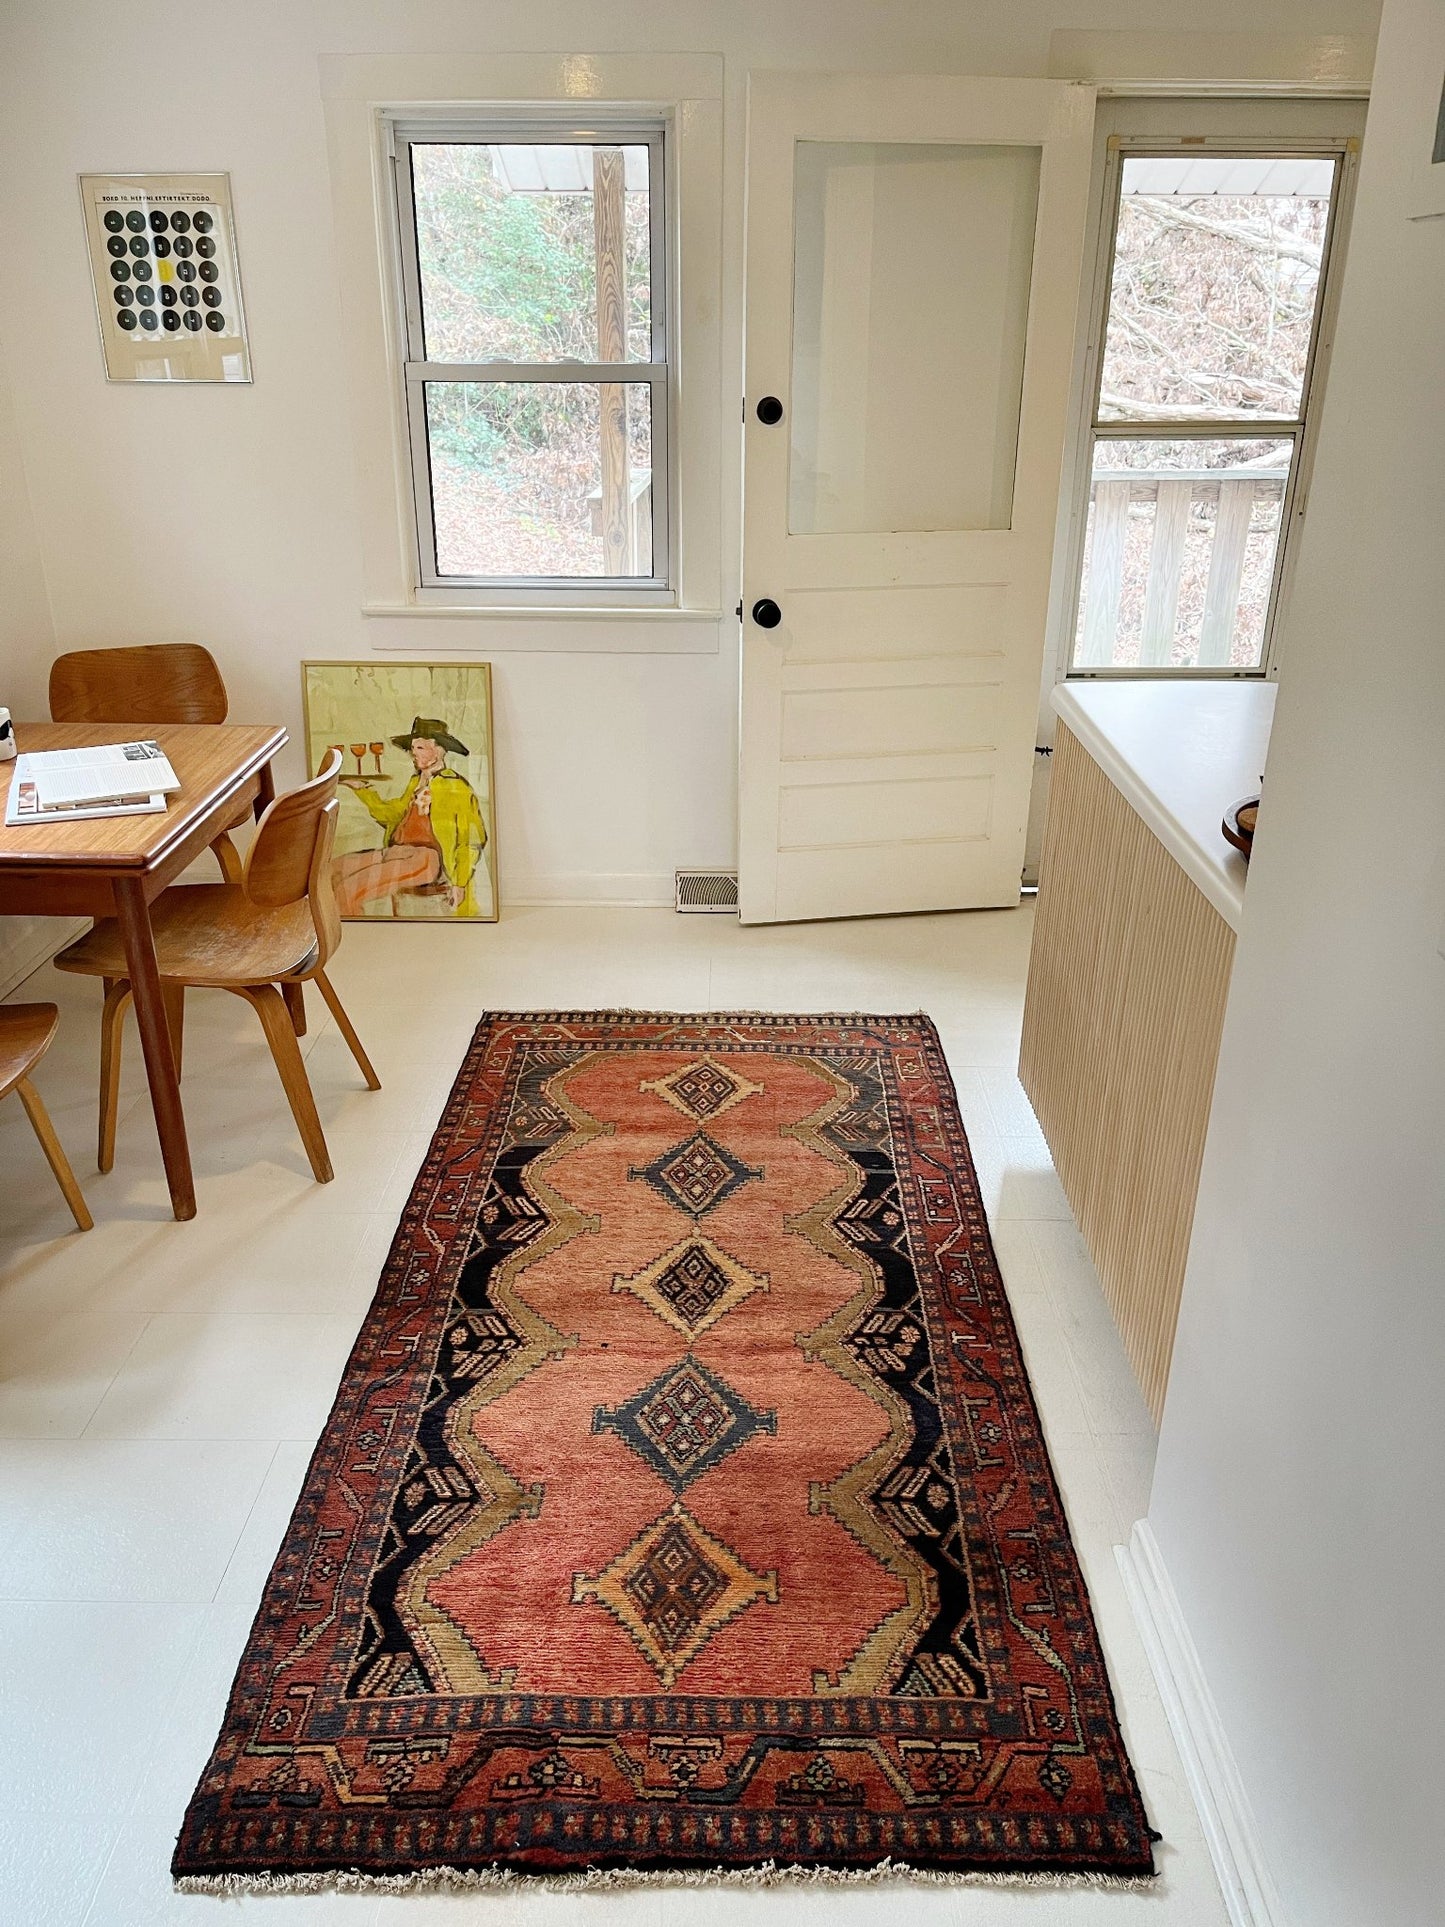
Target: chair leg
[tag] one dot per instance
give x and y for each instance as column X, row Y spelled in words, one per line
column 173, row 996
column 267, row 1003
column 112, row 1033
column 296, row 1004
column 229, row 858
column 343, row 1024
column 55, row 1152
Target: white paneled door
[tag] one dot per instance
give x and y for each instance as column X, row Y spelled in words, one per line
column 912, row 278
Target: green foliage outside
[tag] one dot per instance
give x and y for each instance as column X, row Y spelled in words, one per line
column 511, row 277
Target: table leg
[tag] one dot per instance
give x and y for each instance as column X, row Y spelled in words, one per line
column 265, row 790
column 133, row 915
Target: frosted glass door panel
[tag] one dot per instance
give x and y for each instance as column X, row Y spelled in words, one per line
column 910, row 299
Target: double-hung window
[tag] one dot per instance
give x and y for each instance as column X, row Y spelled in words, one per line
column 1203, row 385
column 534, row 281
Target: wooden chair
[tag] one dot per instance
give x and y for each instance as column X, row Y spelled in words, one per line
column 274, row 929
column 26, row 1031
column 154, row 682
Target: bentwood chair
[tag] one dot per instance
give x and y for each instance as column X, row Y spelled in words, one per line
column 26, row 1031
column 274, row 929
column 154, row 682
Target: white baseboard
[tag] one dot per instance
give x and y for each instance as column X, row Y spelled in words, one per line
column 1229, row 1825
column 28, row 942
column 650, row 889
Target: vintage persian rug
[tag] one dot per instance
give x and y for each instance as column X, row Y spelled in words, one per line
column 684, row 1506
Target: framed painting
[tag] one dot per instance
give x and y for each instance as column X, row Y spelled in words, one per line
column 416, row 839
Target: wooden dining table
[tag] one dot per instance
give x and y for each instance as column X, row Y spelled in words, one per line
column 117, row 866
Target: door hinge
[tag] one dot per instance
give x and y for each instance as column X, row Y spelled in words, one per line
column 739, row 610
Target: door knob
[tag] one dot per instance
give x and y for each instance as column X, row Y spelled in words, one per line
column 766, row 613
column 770, row 411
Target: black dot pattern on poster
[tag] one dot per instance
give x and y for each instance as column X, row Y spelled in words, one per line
column 165, row 270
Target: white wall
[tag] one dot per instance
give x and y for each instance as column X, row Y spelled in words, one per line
column 1300, row 1496
column 26, row 646
column 229, row 515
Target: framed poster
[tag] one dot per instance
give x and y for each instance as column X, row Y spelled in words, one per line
column 416, row 840
column 167, row 282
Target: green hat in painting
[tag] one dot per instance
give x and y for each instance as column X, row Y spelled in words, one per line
column 435, row 730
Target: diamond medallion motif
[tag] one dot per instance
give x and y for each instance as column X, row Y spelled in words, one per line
column 673, row 1588
column 696, row 1176
column 691, row 1286
column 684, row 1422
column 703, row 1090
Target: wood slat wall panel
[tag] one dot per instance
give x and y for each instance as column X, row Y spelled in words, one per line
column 1125, row 1004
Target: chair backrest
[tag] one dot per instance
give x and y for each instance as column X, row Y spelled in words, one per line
column 290, row 856
column 155, row 682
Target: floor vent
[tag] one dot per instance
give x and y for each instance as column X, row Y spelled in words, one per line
column 704, row 890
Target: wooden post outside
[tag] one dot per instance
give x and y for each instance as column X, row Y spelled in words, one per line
column 1106, row 571
column 1226, row 570
column 608, row 220
column 1166, row 566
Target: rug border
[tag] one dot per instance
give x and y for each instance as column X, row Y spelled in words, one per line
column 622, row 1873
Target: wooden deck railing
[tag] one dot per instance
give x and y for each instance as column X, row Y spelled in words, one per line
column 1174, row 494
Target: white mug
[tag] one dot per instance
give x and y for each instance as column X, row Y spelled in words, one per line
column 7, row 736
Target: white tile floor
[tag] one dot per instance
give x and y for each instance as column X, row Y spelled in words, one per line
column 161, row 1384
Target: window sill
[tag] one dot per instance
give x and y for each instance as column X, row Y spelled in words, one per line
column 575, row 629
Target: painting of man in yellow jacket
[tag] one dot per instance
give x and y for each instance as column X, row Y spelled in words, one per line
column 433, row 836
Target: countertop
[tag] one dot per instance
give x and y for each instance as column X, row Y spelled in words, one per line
column 1180, row 754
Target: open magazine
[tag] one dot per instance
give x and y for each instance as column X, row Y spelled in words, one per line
column 107, row 779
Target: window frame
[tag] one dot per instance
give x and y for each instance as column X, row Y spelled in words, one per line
column 1302, row 431
column 659, row 589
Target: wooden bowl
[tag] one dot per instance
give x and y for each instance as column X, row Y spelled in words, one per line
column 1238, row 824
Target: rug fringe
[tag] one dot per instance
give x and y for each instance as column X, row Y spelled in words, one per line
column 710, row 1016
column 769, row 1874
